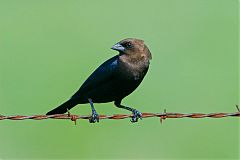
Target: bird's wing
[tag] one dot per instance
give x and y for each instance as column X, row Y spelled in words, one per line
column 101, row 75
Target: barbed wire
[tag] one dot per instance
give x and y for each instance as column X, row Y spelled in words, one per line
column 162, row 116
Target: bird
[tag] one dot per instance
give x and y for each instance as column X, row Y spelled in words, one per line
column 113, row 80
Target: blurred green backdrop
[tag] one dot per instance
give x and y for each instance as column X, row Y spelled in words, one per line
column 49, row 47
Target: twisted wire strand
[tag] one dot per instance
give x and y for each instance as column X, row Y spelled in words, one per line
column 162, row 116
column 122, row 116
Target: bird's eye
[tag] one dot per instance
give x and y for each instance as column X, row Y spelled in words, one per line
column 128, row 45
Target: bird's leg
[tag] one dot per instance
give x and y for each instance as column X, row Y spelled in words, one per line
column 136, row 114
column 94, row 118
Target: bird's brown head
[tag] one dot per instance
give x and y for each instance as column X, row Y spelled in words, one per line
column 132, row 47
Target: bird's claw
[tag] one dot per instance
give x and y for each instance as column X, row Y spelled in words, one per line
column 136, row 115
column 94, row 118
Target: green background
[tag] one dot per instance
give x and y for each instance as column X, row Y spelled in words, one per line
column 49, row 47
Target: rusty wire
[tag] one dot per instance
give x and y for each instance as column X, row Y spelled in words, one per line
column 162, row 116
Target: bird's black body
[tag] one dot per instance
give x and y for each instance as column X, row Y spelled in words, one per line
column 108, row 83
column 111, row 81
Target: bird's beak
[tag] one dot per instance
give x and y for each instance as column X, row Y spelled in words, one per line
column 118, row 47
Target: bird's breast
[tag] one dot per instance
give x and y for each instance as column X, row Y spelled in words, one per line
column 132, row 72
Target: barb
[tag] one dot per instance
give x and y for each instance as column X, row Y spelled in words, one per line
column 162, row 116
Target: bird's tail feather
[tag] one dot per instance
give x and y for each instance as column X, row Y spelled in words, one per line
column 63, row 108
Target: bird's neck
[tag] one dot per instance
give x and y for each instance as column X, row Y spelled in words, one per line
column 135, row 62
column 136, row 59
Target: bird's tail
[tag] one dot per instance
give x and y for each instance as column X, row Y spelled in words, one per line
column 63, row 108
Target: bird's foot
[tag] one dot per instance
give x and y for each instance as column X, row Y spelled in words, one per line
column 94, row 117
column 136, row 115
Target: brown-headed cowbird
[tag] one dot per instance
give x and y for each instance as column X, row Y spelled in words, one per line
column 113, row 80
